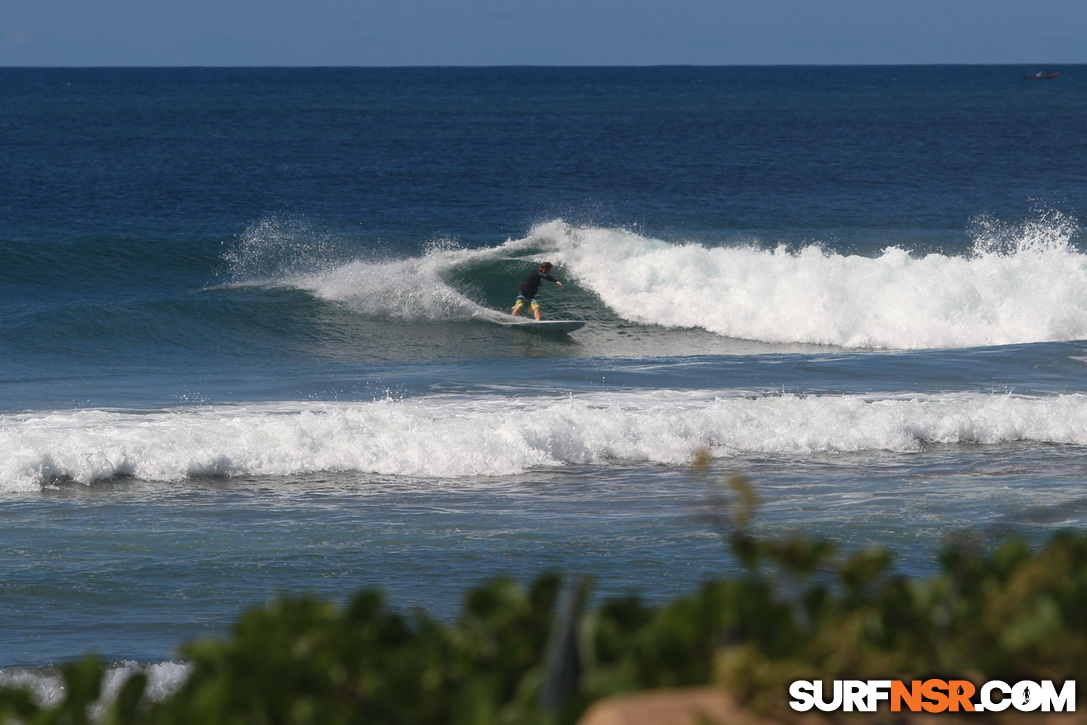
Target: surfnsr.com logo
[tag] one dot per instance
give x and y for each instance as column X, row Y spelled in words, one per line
column 933, row 696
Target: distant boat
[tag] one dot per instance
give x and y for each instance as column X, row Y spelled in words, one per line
column 1041, row 76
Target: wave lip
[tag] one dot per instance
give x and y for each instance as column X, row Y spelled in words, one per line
column 450, row 437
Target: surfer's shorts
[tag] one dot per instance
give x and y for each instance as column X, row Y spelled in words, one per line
column 532, row 304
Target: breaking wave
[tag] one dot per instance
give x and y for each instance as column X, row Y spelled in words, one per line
column 1019, row 283
column 451, row 437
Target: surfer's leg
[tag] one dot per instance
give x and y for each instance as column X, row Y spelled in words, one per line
column 536, row 310
column 517, row 308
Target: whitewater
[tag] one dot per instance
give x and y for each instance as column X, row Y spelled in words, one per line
column 1033, row 289
column 457, row 437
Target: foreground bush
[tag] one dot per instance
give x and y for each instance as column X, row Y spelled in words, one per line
column 533, row 655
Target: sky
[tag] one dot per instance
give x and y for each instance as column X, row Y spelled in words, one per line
column 539, row 32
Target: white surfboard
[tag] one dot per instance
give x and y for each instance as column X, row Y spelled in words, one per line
column 546, row 325
column 527, row 323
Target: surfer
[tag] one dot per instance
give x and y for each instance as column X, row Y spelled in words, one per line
column 530, row 285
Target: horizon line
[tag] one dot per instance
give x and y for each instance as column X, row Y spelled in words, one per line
column 435, row 66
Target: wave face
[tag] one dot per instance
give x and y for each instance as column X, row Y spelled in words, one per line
column 1019, row 283
column 455, row 437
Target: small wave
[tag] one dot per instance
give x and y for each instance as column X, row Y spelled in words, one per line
column 454, row 437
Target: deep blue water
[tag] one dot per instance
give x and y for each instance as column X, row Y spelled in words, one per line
column 247, row 342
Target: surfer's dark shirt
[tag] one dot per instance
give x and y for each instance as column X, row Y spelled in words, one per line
column 531, row 284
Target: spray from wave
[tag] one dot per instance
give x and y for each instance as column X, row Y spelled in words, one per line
column 289, row 253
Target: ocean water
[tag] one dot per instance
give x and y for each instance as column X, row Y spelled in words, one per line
column 247, row 339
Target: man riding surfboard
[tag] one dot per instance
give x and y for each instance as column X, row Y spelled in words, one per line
column 530, row 285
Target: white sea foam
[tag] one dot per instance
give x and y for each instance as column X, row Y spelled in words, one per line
column 163, row 680
column 1020, row 283
column 451, row 437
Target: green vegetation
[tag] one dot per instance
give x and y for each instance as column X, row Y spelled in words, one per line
column 532, row 655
